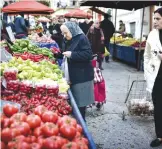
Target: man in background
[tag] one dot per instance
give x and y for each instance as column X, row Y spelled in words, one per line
column 20, row 27
column 108, row 30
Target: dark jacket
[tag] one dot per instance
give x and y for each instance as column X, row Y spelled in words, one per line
column 108, row 29
column 80, row 66
column 94, row 35
column 20, row 26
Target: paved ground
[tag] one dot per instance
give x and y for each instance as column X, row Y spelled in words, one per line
column 107, row 127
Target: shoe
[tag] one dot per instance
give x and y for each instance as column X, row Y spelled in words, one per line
column 101, row 68
column 99, row 106
column 156, row 142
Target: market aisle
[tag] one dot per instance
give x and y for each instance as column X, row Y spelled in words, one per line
column 107, row 127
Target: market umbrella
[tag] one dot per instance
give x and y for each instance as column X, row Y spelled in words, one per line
column 27, row 7
column 44, row 19
column 78, row 13
column 127, row 5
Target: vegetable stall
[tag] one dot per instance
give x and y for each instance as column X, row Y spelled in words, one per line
column 127, row 50
column 48, row 117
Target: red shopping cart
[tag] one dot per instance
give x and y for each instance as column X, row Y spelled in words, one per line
column 99, row 85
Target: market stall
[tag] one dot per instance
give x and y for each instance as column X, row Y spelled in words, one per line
column 127, row 50
column 33, row 80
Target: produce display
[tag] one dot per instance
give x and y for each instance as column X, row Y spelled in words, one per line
column 44, row 39
column 23, row 45
column 127, row 41
column 140, row 107
column 42, row 129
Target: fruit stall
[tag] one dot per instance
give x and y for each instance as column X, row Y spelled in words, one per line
column 127, row 50
column 47, row 116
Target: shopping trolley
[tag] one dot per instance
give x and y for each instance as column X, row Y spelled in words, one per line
column 138, row 100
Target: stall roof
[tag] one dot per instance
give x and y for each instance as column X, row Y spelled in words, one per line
column 27, row 7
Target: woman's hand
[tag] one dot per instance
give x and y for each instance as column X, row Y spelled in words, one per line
column 67, row 54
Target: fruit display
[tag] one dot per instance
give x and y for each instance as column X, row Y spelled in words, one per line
column 42, row 129
column 33, row 57
column 127, row 41
column 24, row 45
column 36, row 72
column 44, row 39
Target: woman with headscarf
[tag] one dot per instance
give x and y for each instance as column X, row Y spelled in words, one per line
column 81, row 74
column 153, row 73
column 96, row 38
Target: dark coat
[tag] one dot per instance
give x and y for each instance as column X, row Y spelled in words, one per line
column 80, row 66
column 108, row 29
column 94, row 35
column 20, row 26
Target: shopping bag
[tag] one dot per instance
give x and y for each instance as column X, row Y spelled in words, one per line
column 65, row 69
column 106, row 52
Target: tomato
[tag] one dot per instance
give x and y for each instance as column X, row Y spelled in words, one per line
column 23, row 145
column 31, row 139
column 49, row 116
column 8, row 134
column 36, row 146
column 37, row 131
column 81, row 139
column 5, row 123
column 19, row 117
column 40, row 110
column 53, row 142
column 19, row 138
column 78, row 134
column 82, row 145
column 68, row 131
column 50, row 129
column 10, row 110
column 33, row 121
column 67, row 120
column 23, row 127
column 70, row 145
column 79, row 128
column 2, row 145
column 40, row 140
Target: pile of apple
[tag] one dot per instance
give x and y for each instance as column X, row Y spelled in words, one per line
column 43, row 129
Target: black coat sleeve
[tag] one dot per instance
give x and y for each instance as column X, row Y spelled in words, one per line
column 83, row 52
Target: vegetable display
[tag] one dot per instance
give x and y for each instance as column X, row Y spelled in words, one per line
column 37, row 131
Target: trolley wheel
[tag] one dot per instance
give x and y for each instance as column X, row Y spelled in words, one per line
column 123, row 116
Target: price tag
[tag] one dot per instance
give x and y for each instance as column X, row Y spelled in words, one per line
column 10, row 33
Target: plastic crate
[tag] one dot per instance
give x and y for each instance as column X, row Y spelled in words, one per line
column 80, row 120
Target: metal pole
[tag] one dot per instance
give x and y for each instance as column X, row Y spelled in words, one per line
column 139, row 53
column 114, row 46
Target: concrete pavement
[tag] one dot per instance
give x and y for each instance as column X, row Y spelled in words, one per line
column 107, row 127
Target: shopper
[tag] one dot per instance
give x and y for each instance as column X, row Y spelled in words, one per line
column 121, row 27
column 96, row 38
column 153, row 72
column 108, row 30
column 20, row 27
column 79, row 54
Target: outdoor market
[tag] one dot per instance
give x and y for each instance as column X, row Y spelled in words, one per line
column 73, row 73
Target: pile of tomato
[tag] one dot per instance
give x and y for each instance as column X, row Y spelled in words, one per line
column 43, row 129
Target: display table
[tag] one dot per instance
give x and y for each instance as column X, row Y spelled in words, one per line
column 127, row 54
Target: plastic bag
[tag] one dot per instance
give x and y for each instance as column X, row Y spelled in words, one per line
column 10, row 74
column 65, row 69
column 5, row 55
column 106, row 52
column 26, row 87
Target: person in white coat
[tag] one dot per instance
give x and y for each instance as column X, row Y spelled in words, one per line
column 153, row 73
